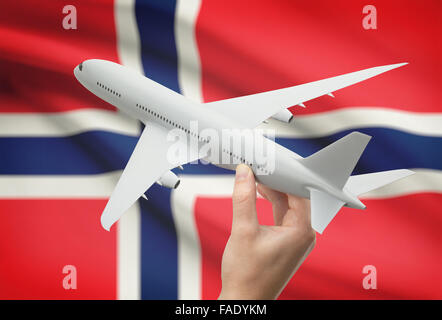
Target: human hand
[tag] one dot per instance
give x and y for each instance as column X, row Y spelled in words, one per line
column 258, row 261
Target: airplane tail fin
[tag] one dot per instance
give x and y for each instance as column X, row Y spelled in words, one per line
column 335, row 162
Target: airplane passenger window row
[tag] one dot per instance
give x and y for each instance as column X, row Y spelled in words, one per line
column 243, row 160
column 172, row 123
column 196, row 135
column 109, row 89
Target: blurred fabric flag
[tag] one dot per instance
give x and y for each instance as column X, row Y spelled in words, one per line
column 62, row 149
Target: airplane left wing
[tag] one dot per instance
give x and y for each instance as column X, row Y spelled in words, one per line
column 256, row 108
column 146, row 165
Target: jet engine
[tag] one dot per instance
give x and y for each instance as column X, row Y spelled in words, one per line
column 169, row 180
column 283, row 115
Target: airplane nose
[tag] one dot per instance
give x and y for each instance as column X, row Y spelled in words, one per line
column 78, row 71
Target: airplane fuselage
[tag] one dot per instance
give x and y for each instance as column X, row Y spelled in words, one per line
column 150, row 102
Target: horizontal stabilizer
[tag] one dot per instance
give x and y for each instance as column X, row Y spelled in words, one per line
column 363, row 183
column 324, row 208
column 336, row 162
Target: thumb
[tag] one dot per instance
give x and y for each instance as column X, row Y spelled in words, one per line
column 244, row 198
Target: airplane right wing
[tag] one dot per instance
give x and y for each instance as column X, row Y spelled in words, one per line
column 148, row 162
column 256, row 108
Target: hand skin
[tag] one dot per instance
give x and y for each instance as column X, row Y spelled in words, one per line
column 258, row 261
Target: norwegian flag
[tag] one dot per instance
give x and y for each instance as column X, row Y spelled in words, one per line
column 62, row 149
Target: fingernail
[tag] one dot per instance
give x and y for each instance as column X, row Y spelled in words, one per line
column 242, row 171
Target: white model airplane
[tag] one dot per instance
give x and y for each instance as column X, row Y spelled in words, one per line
column 324, row 177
